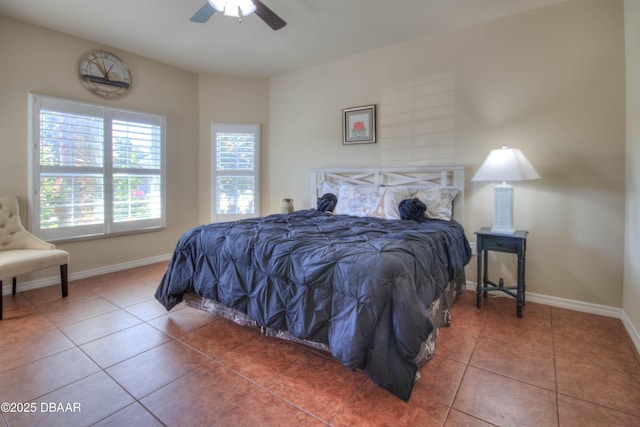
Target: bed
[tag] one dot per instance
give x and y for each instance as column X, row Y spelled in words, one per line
column 356, row 281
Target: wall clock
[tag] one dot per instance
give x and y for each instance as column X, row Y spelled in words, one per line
column 104, row 74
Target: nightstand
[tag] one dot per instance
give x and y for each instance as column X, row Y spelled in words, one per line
column 510, row 243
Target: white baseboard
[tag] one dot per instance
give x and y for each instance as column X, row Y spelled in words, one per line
column 602, row 310
column 631, row 330
column 54, row 280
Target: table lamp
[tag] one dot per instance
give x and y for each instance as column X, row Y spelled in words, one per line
column 504, row 164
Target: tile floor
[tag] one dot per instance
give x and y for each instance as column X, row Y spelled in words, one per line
column 112, row 350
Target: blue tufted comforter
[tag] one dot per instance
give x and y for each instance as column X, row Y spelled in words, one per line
column 360, row 285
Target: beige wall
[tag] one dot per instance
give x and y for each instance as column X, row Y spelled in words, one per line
column 632, row 248
column 549, row 81
column 227, row 99
column 43, row 61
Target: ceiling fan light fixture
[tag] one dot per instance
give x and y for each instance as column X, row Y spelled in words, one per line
column 235, row 8
column 238, row 9
column 218, row 4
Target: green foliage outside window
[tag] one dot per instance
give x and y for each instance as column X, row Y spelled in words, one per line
column 70, row 142
column 236, row 152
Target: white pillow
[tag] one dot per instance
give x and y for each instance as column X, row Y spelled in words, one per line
column 391, row 198
column 382, row 202
column 328, row 187
column 360, row 200
column 439, row 201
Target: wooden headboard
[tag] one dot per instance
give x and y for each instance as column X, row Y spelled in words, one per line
column 444, row 176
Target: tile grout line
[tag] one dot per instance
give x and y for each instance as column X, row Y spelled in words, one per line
column 468, row 364
column 349, row 399
column 555, row 366
column 466, row 369
column 104, row 371
column 224, row 366
column 100, row 368
column 265, row 388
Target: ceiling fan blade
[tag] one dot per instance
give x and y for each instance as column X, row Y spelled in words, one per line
column 203, row 14
column 268, row 16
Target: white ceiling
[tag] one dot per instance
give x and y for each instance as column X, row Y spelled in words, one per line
column 316, row 31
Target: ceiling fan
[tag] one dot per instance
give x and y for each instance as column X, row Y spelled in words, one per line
column 238, row 9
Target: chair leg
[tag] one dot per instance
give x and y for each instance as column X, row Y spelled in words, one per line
column 63, row 284
column 63, row 280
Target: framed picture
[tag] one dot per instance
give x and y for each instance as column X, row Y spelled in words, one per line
column 359, row 125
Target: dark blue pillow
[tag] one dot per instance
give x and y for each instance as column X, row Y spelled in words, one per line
column 327, row 203
column 412, row 209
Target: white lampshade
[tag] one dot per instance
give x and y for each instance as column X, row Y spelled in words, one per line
column 502, row 165
column 505, row 164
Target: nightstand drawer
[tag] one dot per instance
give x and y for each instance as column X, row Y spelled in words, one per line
column 499, row 243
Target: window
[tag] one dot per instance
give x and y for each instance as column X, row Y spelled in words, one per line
column 95, row 170
column 235, row 168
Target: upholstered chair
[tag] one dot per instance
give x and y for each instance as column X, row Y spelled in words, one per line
column 22, row 252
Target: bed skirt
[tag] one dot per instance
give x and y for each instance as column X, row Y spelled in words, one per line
column 439, row 313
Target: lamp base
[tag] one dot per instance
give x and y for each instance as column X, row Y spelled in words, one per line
column 503, row 209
